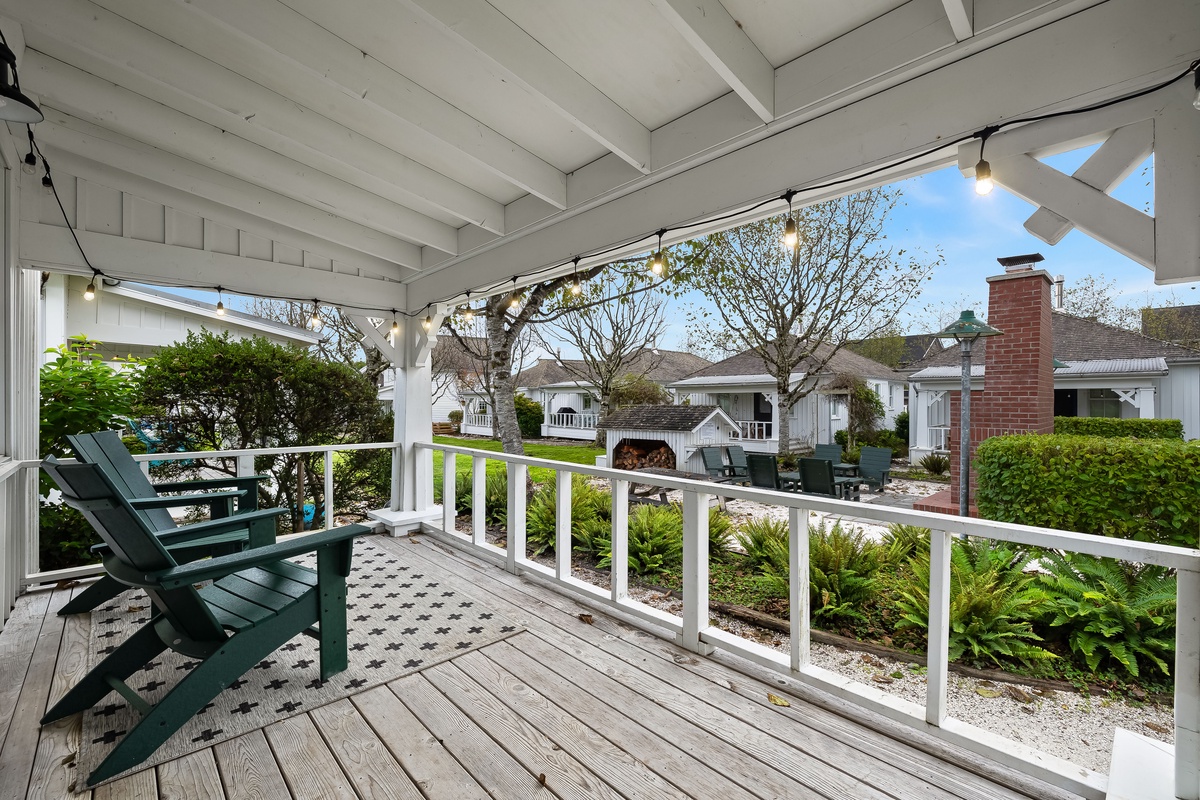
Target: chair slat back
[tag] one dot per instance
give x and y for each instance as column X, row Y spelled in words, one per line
column 829, row 452
column 713, row 464
column 106, row 449
column 737, row 459
column 816, row 476
column 764, row 470
column 874, row 462
column 88, row 489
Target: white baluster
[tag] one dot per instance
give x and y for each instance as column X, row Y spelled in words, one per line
column 449, row 501
column 798, row 586
column 695, row 571
column 516, row 515
column 619, row 570
column 562, row 524
column 1187, row 686
column 478, row 499
column 938, row 651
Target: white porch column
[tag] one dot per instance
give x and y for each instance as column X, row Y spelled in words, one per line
column 773, row 399
column 546, row 396
column 1145, row 402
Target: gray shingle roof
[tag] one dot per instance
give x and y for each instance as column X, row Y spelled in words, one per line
column 844, row 360
column 1079, row 339
column 663, row 368
column 658, row 418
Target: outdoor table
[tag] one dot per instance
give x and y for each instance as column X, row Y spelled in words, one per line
column 845, row 470
column 790, row 477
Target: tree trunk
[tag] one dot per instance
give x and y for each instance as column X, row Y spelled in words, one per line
column 505, row 406
column 783, row 431
column 298, row 511
column 604, row 410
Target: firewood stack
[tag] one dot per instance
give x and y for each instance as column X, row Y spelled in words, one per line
column 627, row 455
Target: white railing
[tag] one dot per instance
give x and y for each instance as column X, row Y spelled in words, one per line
column 692, row 630
column 754, row 429
column 939, row 439
column 17, row 538
column 478, row 421
column 245, row 466
column 585, row 421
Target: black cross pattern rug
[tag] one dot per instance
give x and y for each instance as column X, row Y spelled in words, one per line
column 401, row 619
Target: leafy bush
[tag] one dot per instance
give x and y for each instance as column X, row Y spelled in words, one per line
column 904, row 542
column 455, row 417
column 529, row 417
column 495, row 494
column 1143, row 489
column 719, row 528
column 992, row 602
column 842, row 567
column 760, row 538
column 935, row 463
column 1113, row 614
column 655, row 539
column 841, row 437
column 901, row 426
column 1110, row 428
column 852, row 455
column 463, row 487
column 637, row 390
column 588, row 505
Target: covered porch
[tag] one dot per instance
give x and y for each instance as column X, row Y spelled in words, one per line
column 402, row 160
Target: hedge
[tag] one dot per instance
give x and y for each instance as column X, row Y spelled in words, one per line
column 1111, row 428
column 1143, row 489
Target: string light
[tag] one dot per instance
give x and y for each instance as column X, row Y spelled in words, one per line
column 514, row 301
column 983, row 170
column 315, row 322
column 47, row 184
column 30, row 165
column 395, row 324
column 469, row 315
column 220, row 304
column 427, row 323
column 791, row 236
column 576, row 287
column 89, row 292
column 1196, row 97
column 658, row 263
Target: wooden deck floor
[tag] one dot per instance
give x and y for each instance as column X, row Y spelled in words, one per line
column 563, row 709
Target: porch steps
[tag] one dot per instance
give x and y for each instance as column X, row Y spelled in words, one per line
column 1141, row 769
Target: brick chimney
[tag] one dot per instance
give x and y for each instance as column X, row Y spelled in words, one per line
column 1018, row 395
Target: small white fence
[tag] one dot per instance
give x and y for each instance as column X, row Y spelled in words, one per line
column 582, row 421
column 755, row 430
column 481, row 421
column 692, row 629
column 939, row 439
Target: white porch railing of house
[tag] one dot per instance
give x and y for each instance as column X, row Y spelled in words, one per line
column 585, row 421
column 692, row 630
column 939, row 439
column 755, row 430
column 478, row 421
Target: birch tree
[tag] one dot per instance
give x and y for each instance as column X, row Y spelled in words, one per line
column 797, row 307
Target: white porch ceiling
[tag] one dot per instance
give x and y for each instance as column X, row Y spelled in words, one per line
column 467, row 141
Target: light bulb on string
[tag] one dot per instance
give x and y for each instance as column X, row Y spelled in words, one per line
column 576, row 287
column 89, row 292
column 315, row 322
column 220, row 304
column 47, row 183
column 514, row 300
column 983, row 178
column 395, row 324
column 427, row 323
column 29, row 167
column 791, row 236
column 468, row 315
column 658, row 264
column 1196, row 96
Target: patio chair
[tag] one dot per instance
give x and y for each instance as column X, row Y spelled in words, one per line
column 816, row 477
column 716, row 468
column 875, row 466
column 257, row 602
column 106, row 450
column 738, row 468
column 764, row 473
column 829, row 452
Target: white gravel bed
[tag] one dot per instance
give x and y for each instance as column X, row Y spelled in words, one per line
column 1078, row 728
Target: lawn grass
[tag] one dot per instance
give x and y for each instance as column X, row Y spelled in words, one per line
column 573, row 454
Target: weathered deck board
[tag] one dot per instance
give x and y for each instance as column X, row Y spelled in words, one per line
column 363, row 757
column 248, row 769
column 599, row 710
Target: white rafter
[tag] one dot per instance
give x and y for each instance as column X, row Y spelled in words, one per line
column 481, row 27
column 961, row 14
column 716, row 36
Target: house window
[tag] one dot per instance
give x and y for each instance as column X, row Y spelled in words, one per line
column 1104, row 403
column 587, row 402
column 835, row 407
column 939, row 412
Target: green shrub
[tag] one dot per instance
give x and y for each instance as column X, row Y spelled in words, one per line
column 462, row 492
column 992, row 602
column 935, row 463
column 588, row 505
column 1143, row 489
column 495, row 493
column 904, row 542
column 1113, row 614
column 852, row 455
column 455, row 417
column 901, row 427
column 719, row 528
column 1111, row 428
column 842, row 568
column 841, row 437
column 655, row 539
column 759, row 537
column 529, row 417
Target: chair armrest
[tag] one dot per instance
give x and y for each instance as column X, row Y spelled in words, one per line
column 222, row 525
column 174, row 501
column 211, row 483
column 221, row 566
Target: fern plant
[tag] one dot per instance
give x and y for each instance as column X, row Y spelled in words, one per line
column 588, row 504
column 655, row 539
column 934, row 463
column 992, row 600
column 842, row 568
column 1116, row 616
column 760, row 539
column 903, row 542
column 719, row 528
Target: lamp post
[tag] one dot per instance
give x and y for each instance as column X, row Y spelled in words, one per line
column 965, row 330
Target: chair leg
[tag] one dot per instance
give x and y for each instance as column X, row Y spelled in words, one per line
column 331, row 611
column 237, row 656
column 134, row 653
column 106, row 588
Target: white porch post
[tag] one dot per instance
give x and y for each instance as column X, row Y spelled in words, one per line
column 1145, row 402
column 773, row 399
column 546, row 396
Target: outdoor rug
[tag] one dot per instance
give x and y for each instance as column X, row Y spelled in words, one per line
column 401, row 618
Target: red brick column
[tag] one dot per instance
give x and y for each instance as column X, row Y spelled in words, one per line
column 1018, row 394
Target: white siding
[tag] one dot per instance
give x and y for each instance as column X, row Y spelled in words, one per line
column 1179, row 398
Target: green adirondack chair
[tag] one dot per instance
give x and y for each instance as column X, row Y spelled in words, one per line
column 256, row 603
column 875, row 466
column 816, row 477
column 828, row 452
column 106, row 450
column 764, row 473
column 739, row 469
column 714, row 465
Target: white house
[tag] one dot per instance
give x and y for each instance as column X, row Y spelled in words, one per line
column 135, row 320
column 1101, row 371
column 455, row 371
column 742, row 387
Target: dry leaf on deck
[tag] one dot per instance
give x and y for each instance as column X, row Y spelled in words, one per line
column 776, row 700
column 586, row 618
column 985, row 692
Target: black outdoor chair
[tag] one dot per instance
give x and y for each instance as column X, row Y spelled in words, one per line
column 738, row 468
column 816, row 477
column 764, row 473
column 875, row 466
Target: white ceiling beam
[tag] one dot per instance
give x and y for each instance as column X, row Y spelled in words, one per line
column 381, row 342
column 102, row 103
column 961, row 14
column 51, row 247
column 129, row 155
column 1124, row 229
column 522, row 59
column 1132, row 44
column 138, row 185
column 1105, row 169
column 720, row 41
column 86, row 36
column 273, row 46
column 1177, row 188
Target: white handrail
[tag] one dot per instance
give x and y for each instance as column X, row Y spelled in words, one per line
column 691, row 628
column 754, row 429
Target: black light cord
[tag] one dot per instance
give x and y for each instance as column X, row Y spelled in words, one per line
column 982, row 134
